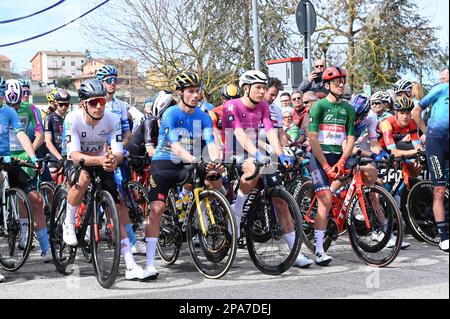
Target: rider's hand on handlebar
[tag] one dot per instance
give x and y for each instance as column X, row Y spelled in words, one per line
column 262, row 158
column 339, row 168
column 287, row 161
column 329, row 171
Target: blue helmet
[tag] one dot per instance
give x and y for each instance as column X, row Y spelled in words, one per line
column 361, row 104
column 24, row 83
column 2, row 86
column 106, row 71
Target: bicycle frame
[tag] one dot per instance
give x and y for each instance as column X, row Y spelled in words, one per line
column 5, row 186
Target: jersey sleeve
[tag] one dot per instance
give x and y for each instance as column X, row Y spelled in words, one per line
column 430, row 98
column 15, row 121
column 314, row 118
column 36, row 119
column 372, row 126
column 387, row 130
column 116, row 134
column 208, row 131
column 73, row 143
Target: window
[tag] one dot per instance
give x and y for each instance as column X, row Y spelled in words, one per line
column 63, row 63
column 72, row 63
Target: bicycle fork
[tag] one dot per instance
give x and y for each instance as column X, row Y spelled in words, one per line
column 199, row 210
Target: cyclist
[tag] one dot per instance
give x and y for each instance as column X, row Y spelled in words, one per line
column 331, row 123
column 50, row 104
column 88, row 130
column 21, row 179
column 108, row 74
column 243, row 121
column 53, row 127
column 436, row 137
column 381, row 101
column 228, row 92
column 184, row 128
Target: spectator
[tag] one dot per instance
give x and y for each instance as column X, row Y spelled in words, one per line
column 309, row 98
column 299, row 108
column 285, row 100
column 288, row 124
column 314, row 80
column 444, row 75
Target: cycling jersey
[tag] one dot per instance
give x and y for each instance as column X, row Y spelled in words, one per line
column 382, row 117
column 366, row 131
column 146, row 135
column 237, row 115
column 216, row 117
column 438, row 124
column 391, row 133
column 8, row 119
column 91, row 140
column 187, row 129
column 120, row 108
column 28, row 117
column 54, row 127
column 334, row 122
column 276, row 117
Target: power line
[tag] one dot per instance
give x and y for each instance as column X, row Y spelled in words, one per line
column 48, row 32
column 33, row 14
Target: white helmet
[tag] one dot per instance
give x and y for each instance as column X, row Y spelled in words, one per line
column 13, row 93
column 253, row 77
column 403, row 86
column 161, row 102
column 381, row 96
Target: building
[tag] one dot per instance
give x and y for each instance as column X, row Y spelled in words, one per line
column 5, row 64
column 50, row 65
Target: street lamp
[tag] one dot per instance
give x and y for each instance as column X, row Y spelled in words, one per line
column 256, row 45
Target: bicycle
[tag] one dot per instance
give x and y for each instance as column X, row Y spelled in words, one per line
column 104, row 236
column 261, row 226
column 15, row 239
column 369, row 214
column 209, row 219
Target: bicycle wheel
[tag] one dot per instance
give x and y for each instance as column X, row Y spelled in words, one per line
column 267, row 229
column 304, row 196
column 370, row 244
column 217, row 250
column 46, row 191
column 63, row 254
column 16, row 230
column 171, row 236
column 105, row 239
column 420, row 217
column 138, row 204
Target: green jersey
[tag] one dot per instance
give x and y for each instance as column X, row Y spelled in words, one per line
column 333, row 122
column 28, row 118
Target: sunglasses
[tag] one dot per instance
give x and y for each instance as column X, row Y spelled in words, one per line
column 97, row 100
column 319, row 66
column 26, row 92
column 63, row 104
column 309, row 101
column 377, row 103
column 112, row 80
column 297, row 99
column 338, row 81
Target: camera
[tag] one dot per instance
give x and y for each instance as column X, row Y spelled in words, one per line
column 318, row 79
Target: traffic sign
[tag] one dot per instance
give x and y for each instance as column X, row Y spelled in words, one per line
column 306, row 17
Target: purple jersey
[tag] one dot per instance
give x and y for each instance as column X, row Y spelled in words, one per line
column 238, row 116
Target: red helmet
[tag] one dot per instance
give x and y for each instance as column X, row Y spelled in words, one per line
column 333, row 72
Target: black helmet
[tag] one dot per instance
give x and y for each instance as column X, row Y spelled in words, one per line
column 62, row 96
column 90, row 89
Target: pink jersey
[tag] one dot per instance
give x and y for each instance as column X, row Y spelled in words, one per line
column 238, row 116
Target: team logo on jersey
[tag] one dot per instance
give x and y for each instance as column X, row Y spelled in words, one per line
column 83, row 134
column 343, row 112
column 119, row 138
column 230, row 118
column 68, row 138
column 230, row 107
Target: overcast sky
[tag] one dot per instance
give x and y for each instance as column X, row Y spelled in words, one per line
column 70, row 38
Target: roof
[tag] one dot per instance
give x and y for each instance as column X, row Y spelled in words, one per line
column 4, row 58
column 60, row 53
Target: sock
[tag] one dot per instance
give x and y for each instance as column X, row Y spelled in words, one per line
column 23, row 229
column 238, row 207
column 42, row 236
column 442, row 231
column 319, row 235
column 131, row 234
column 290, row 239
column 151, row 250
column 125, row 250
column 70, row 214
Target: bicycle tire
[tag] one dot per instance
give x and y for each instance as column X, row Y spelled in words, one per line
column 419, row 217
column 286, row 257
column 171, row 236
column 63, row 254
column 108, row 232
column 9, row 261
column 47, row 191
column 361, row 238
column 215, row 255
column 303, row 196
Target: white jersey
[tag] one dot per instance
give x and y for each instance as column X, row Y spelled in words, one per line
column 120, row 108
column 366, row 131
column 91, row 140
column 276, row 117
column 138, row 117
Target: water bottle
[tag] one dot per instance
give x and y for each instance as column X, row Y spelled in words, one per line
column 119, row 179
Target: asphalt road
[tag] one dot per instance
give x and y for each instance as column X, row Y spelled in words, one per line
column 420, row 272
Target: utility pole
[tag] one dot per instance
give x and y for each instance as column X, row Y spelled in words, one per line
column 256, row 45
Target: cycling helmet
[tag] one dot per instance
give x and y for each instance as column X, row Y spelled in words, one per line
column 2, row 86
column 288, row 151
column 361, row 104
column 381, row 96
column 230, row 92
column 24, row 83
column 90, row 89
column 161, row 102
column 403, row 86
column 106, row 71
column 333, row 72
column 404, row 104
column 13, row 93
column 186, row 79
column 148, row 104
column 51, row 95
column 62, row 96
column 253, row 77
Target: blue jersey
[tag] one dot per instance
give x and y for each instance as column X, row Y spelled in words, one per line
column 188, row 129
column 438, row 122
column 8, row 119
